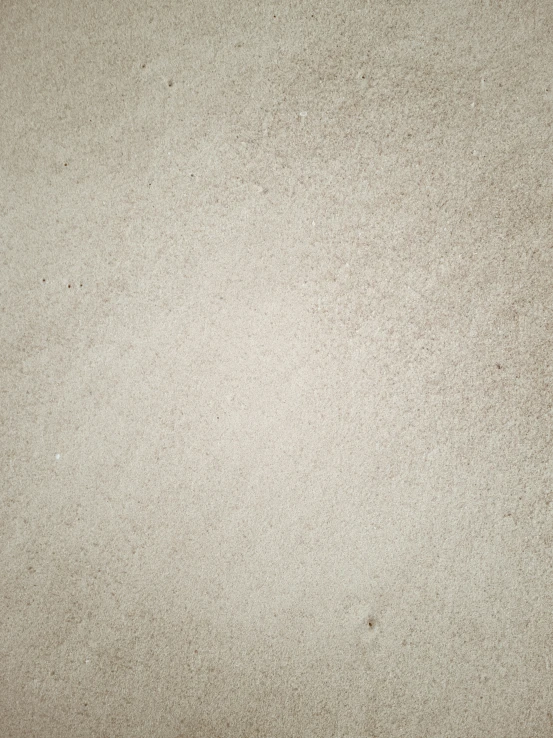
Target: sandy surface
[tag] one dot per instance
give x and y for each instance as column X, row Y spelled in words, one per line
column 276, row 369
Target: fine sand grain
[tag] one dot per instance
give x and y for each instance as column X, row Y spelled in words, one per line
column 276, row 369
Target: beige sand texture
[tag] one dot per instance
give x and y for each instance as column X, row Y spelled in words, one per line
column 277, row 353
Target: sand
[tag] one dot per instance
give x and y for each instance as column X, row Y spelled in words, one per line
column 277, row 333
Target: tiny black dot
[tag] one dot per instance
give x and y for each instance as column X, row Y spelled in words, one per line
column 44, row 280
column 65, row 164
column 81, row 284
column 170, row 83
column 498, row 366
column 69, row 286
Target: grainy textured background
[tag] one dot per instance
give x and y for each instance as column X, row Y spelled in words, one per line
column 276, row 369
